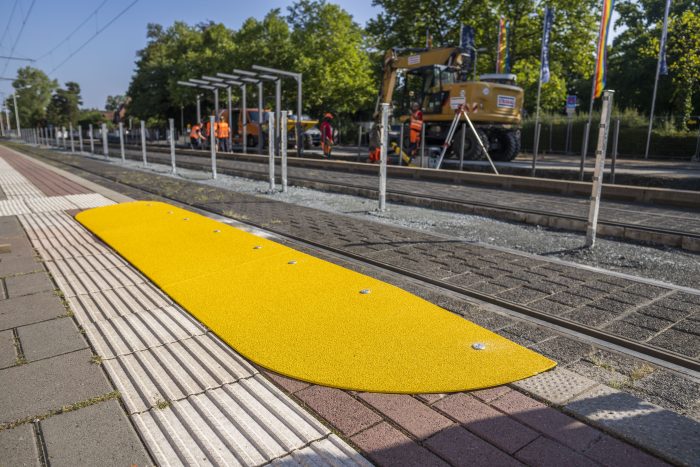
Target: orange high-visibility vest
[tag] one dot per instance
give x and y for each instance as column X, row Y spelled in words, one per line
column 195, row 133
column 222, row 130
column 416, row 126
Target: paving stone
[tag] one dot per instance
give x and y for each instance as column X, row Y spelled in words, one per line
column 609, row 304
column 288, row 384
column 8, row 355
column 678, row 390
column 691, row 325
column 487, row 319
column 531, row 333
column 547, row 420
column 687, row 297
column 590, row 293
column 629, row 330
column 50, row 338
column 412, row 415
column 522, row 295
column 647, row 322
column 18, row 447
column 39, row 387
column 21, row 265
column 681, row 342
column 545, row 452
column 462, row 448
column 387, row 446
column 663, row 312
column 646, row 290
column 653, row 427
column 430, row 399
column 673, row 304
column 30, row 309
column 487, row 395
column 550, row 307
column 556, row 386
column 99, row 434
column 486, row 422
column 590, row 316
column 563, row 350
column 28, row 284
column 567, row 298
column 613, row 453
column 341, row 410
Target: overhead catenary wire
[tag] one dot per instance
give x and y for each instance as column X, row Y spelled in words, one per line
column 97, row 33
column 19, row 34
column 68, row 37
column 9, row 21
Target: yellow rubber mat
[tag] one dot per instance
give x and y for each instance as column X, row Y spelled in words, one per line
column 304, row 317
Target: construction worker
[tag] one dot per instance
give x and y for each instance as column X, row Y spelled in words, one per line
column 208, row 130
column 196, row 136
column 327, row 135
column 222, row 133
column 415, row 129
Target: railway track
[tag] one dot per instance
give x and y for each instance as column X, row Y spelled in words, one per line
column 635, row 232
column 659, row 356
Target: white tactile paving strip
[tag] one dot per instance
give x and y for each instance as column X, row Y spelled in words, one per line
column 193, row 399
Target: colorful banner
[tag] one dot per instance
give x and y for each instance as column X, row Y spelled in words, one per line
column 502, row 49
column 466, row 42
column 663, row 66
column 548, row 20
column 602, row 53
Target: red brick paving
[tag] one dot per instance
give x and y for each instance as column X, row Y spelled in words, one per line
column 459, row 447
column 409, row 413
column 386, row 445
column 47, row 181
column 339, row 408
column 545, row 452
column 613, row 453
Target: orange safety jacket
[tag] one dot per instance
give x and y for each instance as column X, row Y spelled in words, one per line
column 196, row 132
column 222, row 130
column 416, row 126
column 207, row 129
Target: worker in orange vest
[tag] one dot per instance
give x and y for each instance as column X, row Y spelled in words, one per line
column 327, row 135
column 196, row 136
column 415, row 129
column 207, row 131
column 222, row 134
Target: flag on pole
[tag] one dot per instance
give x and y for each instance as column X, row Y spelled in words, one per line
column 466, row 42
column 602, row 54
column 502, row 46
column 663, row 66
column 548, row 20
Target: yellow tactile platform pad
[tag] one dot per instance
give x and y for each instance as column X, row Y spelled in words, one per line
column 304, row 317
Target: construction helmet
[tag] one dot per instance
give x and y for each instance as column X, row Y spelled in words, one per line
column 328, row 115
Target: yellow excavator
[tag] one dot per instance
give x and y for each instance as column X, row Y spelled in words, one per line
column 437, row 79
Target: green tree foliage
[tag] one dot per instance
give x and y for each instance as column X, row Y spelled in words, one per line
column 684, row 62
column 64, row 107
column 113, row 102
column 33, row 90
column 90, row 116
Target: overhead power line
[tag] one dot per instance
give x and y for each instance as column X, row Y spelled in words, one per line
column 5, row 57
column 67, row 38
column 9, row 21
column 19, row 34
column 82, row 46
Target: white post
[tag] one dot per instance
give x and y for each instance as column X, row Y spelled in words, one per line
column 80, row 138
column 2, row 125
column 173, row 167
column 92, row 139
column 271, row 143
column 105, row 147
column 230, row 120
column 143, row 143
column 121, row 141
column 600, row 152
column 584, row 149
column 212, row 145
column 662, row 46
column 535, row 150
column 260, row 117
column 63, row 137
column 614, row 150
column 299, row 133
column 383, row 137
column 244, row 118
column 14, row 99
column 72, row 143
column 278, row 110
column 199, row 108
column 283, row 149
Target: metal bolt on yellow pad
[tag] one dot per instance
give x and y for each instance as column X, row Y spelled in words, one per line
column 308, row 322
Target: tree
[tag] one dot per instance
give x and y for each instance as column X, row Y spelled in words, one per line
column 64, row 108
column 684, row 62
column 114, row 102
column 33, row 90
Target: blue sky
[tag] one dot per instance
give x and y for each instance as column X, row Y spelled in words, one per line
column 106, row 64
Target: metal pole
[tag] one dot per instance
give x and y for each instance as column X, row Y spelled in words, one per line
column 216, row 107
column 597, row 184
column 63, row 137
column 80, row 138
column 72, row 144
column 299, row 135
column 283, row 148
column 244, row 118
column 182, row 119
column 92, row 140
column 278, row 111
column 535, row 150
column 230, row 119
column 696, row 157
column 422, row 146
column 461, row 151
column 199, row 108
column 173, row 167
column 584, row 149
column 656, row 80
column 105, row 150
column 614, row 150
column 384, row 138
column 121, row 141
column 212, row 148
column 2, row 125
column 271, row 149
column 401, row 142
column 143, row 143
column 260, row 117
column 359, row 142
column 551, row 130
column 567, row 143
column 14, row 99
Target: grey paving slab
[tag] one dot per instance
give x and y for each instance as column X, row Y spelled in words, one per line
column 28, row 284
column 8, row 355
column 99, row 434
column 50, row 338
column 18, row 265
column 9, row 226
column 649, row 425
column 39, row 387
column 18, row 447
column 556, row 386
column 30, row 309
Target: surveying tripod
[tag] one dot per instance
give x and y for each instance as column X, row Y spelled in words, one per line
column 451, row 134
